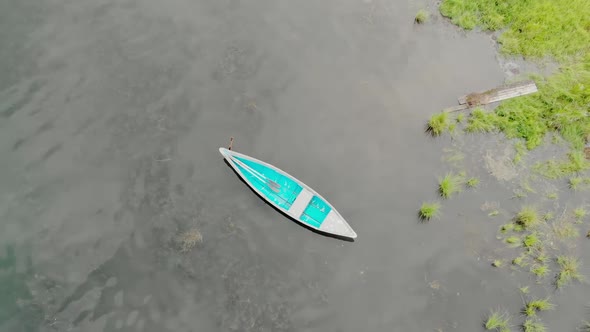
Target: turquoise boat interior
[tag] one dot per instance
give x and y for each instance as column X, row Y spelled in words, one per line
column 315, row 212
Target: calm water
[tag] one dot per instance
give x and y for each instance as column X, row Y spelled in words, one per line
column 111, row 114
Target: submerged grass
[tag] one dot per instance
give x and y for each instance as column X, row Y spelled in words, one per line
column 569, row 271
column 472, row 182
column 429, row 210
column 579, row 183
column 422, row 16
column 531, row 325
column 497, row 321
column 580, row 213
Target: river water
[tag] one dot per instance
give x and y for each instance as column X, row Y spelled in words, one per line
column 111, row 116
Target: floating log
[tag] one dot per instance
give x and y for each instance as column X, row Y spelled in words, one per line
column 501, row 93
column 497, row 94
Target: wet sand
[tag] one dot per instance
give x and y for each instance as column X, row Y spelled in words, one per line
column 112, row 113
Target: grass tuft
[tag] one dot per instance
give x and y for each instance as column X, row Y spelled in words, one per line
column 565, row 230
column 531, row 241
column 438, row 123
column 569, row 271
column 422, row 16
column 497, row 263
column 528, row 217
column 552, row 169
column 579, row 183
column 540, row 270
column 531, row 325
column 534, row 306
column 429, row 210
column 580, row 213
column 497, row 321
column 472, row 182
column 449, row 185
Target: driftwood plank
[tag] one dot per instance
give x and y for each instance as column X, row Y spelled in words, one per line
column 501, row 93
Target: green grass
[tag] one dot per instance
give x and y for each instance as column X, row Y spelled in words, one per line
column 528, row 217
column 513, row 240
column 520, row 260
column 472, row 182
column 532, row 307
column 568, row 271
column 497, row 263
column 531, row 241
column 497, row 321
column 540, row 270
column 531, row 325
column 460, row 117
column 557, row 28
column 438, row 123
column 580, row 213
column 493, row 213
column 506, row 227
column 585, row 327
column 449, row 185
column 579, row 183
column 552, row 196
column 555, row 169
column 422, row 16
column 429, row 210
column 548, row 216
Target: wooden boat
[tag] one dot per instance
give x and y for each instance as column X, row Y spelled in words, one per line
column 289, row 195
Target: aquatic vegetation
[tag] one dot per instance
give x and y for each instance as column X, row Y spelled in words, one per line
column 472, row 182
column 460, row 117
column 531, row 325
column 553, row 169
column 528, row 217
column 569, row 271
column 506, row 227
column 480, row 122
column 585, row 327
column 497, row 263
column 438, row 123
column 188, row 240
column 497, row 321
column 493, row 213
column 552, row 196
column 548, row 216
column 531, row 240
column 513, row 240
column 422, row 16
column 449, row 185
column 540, row 270
column 532, row 307
column 537, row 29
column 524, row 290
column 564, row 229
column 580, row 213
column 521, row 151
column 559, row 106
column 520, row 260
column 579, row 183
column 588, row 235
column 429, row 210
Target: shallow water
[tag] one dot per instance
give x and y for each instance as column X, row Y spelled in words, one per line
column 111, row 114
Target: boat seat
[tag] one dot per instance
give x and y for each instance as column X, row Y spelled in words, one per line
column 301, row 202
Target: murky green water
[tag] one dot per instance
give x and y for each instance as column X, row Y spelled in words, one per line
column 111, row 114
